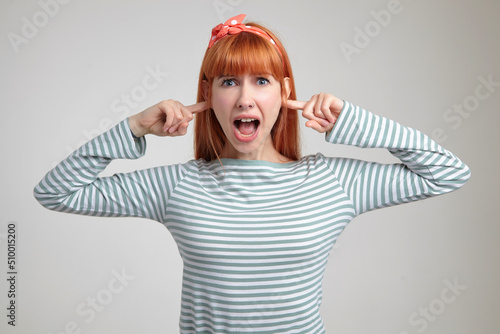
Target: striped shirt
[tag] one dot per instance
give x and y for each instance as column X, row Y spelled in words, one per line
column 255, row 236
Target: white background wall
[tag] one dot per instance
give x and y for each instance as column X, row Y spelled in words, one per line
column 65, row 70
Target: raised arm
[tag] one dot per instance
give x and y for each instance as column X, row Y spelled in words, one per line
column 74, row 185
column 426, row 169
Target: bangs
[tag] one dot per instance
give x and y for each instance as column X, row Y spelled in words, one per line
column 244, row 53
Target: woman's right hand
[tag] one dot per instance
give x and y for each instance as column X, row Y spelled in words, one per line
column 167, row 118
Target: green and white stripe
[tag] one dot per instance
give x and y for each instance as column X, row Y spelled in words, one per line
column 255, row 236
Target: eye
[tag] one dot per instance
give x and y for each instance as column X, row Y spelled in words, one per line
column 262, row 81
column 228, row 82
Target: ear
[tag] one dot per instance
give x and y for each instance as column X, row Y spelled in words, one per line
column 287, row 87
column 205, row 87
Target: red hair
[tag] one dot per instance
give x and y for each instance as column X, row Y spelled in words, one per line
column 246, row 53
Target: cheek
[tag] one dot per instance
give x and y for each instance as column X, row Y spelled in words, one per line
column 271, row 103
column 221, row 102
column 222, row 109
column 273, row 96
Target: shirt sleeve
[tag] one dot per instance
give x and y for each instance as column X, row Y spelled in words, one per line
column 426, row 168
column 74, row 186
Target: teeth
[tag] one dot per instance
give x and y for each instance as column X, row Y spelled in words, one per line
column 246, row 120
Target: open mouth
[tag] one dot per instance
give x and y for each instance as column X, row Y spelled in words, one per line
column 246, row 127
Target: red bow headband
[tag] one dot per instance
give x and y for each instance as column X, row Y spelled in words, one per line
column 234, row 26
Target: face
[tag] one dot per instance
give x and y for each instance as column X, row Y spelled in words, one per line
column 247, row 107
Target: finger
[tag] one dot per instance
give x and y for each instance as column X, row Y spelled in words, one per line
column 198, row 107
column 179, row 129
column 308, row 109
column 172, row 129
column 322, row 107
column 170, row 114
column 313, row 124
column 184, row 114
column 183, row 129
column 321, row 121
column 179, row 114
column 308, row 112
column 335, row 106
column 297, row 105
column 321, row 127
column 327, row 106
column 317, row 106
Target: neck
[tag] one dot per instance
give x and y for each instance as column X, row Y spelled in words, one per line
column 270, row 154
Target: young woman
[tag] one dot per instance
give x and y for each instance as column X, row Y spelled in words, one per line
column 253, row 220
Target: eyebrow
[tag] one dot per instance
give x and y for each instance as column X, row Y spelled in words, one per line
column 233, row 75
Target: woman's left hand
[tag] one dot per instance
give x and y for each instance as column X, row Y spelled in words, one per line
column 322, row 111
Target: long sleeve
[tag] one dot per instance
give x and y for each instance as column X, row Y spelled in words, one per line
column 74, row 185
column 426, row 169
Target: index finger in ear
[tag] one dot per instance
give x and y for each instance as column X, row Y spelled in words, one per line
column 297, row 105
column 198, row 107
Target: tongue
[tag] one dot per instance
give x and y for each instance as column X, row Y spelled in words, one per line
column 246, row 128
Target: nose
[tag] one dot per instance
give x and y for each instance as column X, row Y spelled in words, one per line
column 245, row 100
